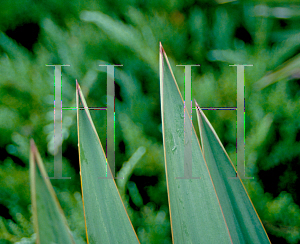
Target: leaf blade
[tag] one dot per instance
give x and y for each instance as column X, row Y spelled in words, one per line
column 242, row 219
column 195, row 212
column 49, row 221
column 105, row 216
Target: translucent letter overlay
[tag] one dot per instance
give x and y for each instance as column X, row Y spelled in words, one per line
column 188, row 164
column 58, row 123
column 110, row 141
column 240, row 124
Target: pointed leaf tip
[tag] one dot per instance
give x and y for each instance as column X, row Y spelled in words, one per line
column 77, row 85
column 196, row 103
column 32, row 144
column 106, row 219
column 189, row 221
column 243, row 224
column 161, row 49
column 199, row 108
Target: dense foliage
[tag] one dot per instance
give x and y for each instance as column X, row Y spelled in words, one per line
column 215, row 34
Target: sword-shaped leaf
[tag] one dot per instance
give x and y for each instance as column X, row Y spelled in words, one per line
column 195, row 212
column 106, row 219
column 241, row 217
column 49, row 221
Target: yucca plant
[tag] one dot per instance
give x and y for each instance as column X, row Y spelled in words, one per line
column 208, row 207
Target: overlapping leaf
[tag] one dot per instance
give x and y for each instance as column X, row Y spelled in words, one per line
column 213, row 209
column 242, row 220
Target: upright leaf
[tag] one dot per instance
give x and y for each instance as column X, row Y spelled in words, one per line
column 105, row 216
column 242, row 220
column 49, row 221
column 196, row 216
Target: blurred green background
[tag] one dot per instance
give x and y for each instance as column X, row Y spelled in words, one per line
column 84, row 34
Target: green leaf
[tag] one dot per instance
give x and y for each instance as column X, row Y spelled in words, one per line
column 287, row 70
column 196, row 216
column 128, row 168
column 242, row 220
column 122, row 33
column 105, row 216
column 49, row 221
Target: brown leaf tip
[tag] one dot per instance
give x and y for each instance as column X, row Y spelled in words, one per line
column 196, row 104
column 32, row 146
column 161, row 49
column 77, row 85
column 198, row 107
